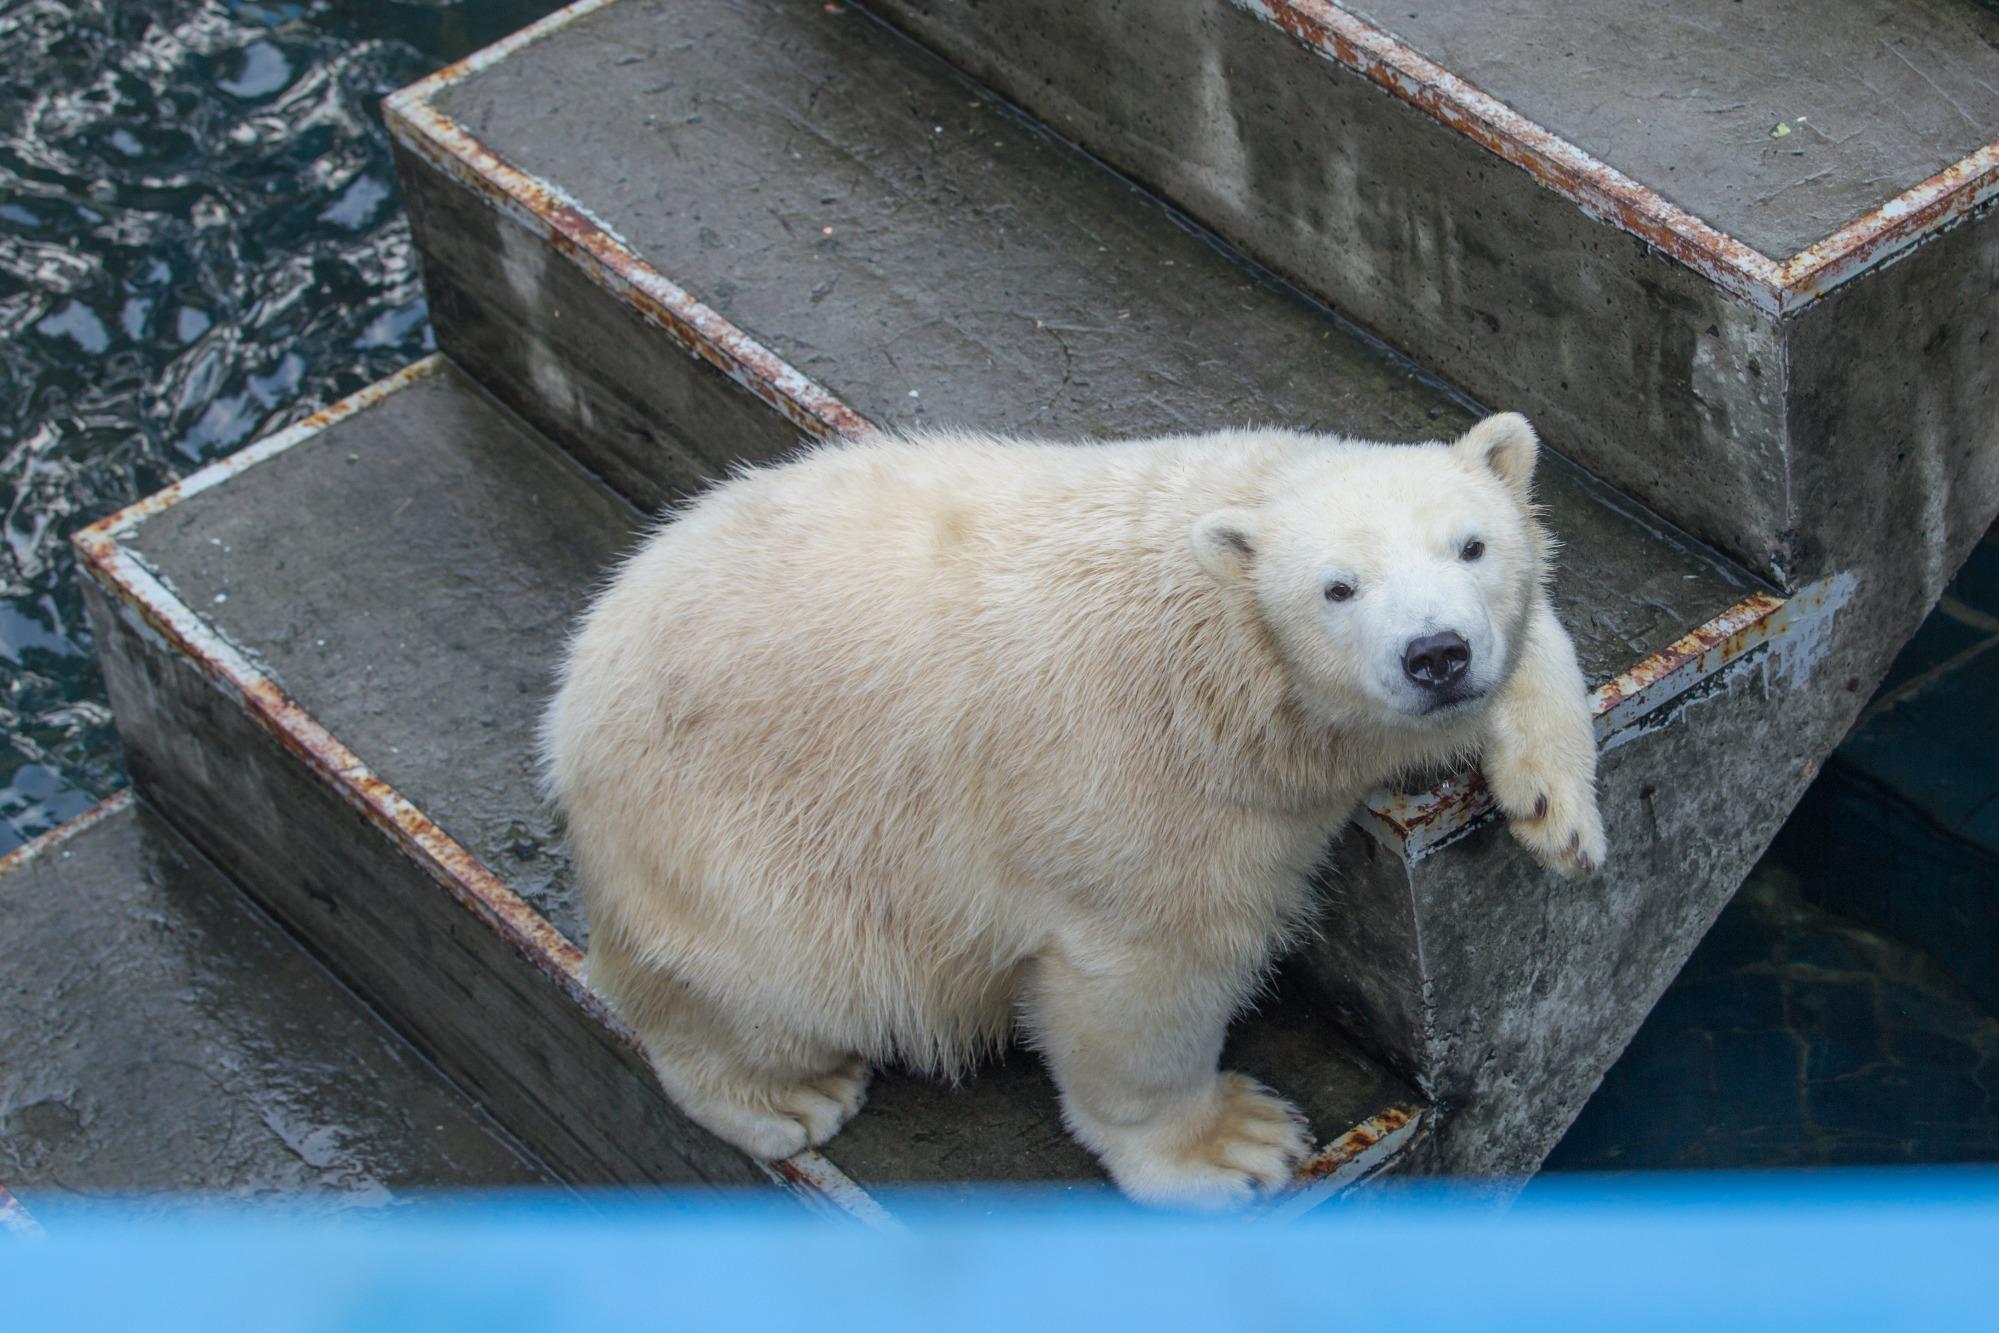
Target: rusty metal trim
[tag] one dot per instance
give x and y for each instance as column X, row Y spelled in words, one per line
column 570, row 229
column 812, row 1177
column 1414, row 825
column 1684, row 663
column 1875, row 238
column 214, row 474
column 1609, row 196
column 15, row 1220
column 158, row 613
column 1347, row 1161
column 115, row 804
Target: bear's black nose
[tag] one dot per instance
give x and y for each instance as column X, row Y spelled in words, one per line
column 1437, row 660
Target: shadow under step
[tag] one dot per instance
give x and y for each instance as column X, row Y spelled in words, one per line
column 165, row 1044
column 327, row 657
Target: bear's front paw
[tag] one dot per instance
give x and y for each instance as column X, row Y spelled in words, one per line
column 1555, row 818
column 1249, row 1147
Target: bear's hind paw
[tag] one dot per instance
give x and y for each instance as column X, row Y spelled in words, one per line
column 1250, row 1149
column 775, row 1121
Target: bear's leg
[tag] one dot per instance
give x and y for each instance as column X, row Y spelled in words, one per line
column 755, row 1082
column 1134, row 1042
column 1540, row 751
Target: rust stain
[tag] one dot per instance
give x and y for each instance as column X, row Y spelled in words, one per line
column 1734, row 632
column 1343, row 1151
column 116, row 803
column 1418, row 820
column 1937, row 203
column 1605, row 193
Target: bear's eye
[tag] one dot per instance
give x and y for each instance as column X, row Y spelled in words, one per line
column 1338, row 592
column 1472, row 550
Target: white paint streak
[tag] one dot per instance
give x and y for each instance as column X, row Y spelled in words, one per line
column 1796, row 654
column 14, row 1219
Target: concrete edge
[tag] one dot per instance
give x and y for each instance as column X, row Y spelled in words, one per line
column 214, row 474
column 1348, row 1161
column 568, row 228
column 456, row 870
column 116, row 803
column 1421, row 824
column 15, row 1220
column 1874, row 239
column 1608, row 195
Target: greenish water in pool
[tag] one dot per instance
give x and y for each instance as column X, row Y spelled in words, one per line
column 200, row 241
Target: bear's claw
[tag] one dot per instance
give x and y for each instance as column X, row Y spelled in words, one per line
column 1558, row 822
column 1567, row 837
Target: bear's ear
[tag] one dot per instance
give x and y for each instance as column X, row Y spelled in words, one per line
column 1506, row 443
column 1225, row 543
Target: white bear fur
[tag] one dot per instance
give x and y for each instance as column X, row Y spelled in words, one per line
column 887, row 752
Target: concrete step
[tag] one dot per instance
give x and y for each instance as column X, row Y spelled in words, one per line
column 1102, row 313
column 327, row 657
column 160, row 1037
column 1741, row 261
column 674, row 235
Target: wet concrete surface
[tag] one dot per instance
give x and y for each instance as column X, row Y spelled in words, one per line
column 932, row 260
column 1671, row 379
column 1637, row 366
column 159, row 1035
column 410, row 577
column 917, row 1131
column 1873, row 96
column 908, row 241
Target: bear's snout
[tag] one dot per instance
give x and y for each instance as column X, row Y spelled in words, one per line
column 1437, row 661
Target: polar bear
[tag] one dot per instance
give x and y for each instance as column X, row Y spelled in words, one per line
column 907, row 745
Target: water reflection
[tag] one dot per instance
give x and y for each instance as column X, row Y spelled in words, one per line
column 199, row 241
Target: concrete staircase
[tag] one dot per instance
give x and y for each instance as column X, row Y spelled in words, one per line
column 161, row 1037
column 662, row 236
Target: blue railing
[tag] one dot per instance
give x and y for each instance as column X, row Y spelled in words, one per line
column 1874, row 1250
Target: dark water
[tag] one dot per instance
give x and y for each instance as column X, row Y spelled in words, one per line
column 1844, row 1011
column 199, row 242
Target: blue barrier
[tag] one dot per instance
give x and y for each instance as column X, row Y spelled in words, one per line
column 1823, row 1251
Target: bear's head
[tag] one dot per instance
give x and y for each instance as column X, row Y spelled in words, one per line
column 1395, row 580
